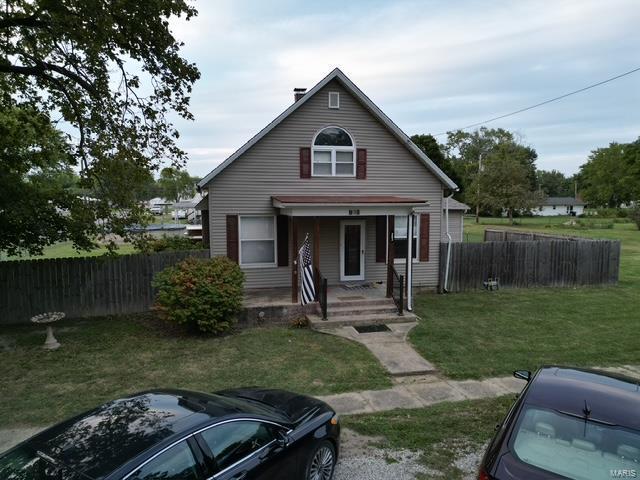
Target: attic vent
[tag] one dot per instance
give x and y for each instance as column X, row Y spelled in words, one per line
column 334, row 100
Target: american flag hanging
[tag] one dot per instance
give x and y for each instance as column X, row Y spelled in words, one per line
column 307, row 287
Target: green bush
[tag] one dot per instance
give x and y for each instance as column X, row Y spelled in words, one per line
column 171, row 242
column 203, row 294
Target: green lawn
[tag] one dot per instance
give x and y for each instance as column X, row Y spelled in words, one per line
column 103, row 358
column 481, row 334
column 66, row 250
column 439, row 433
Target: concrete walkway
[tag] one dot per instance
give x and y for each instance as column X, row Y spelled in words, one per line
column 390, row 348
column 421, row 394
column 427, row 391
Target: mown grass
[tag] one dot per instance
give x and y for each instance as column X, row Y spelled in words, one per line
column 441, row 433
column 66, row 250
column 482, row 334
column 101, row 359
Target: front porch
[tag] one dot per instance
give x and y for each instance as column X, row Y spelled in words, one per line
column 351, row 304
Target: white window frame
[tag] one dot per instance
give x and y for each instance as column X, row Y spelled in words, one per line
column 274, row 239
column 337, row 97
column 416, row 233
column 333, row 150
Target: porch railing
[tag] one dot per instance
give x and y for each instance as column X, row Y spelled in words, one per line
column 321, row 294
column 397, row 289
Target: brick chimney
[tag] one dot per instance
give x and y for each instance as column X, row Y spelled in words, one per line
column 298, row 93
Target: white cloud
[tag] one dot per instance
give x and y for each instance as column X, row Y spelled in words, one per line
column 430, row 66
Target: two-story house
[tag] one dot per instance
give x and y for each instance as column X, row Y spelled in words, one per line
column 334, row 167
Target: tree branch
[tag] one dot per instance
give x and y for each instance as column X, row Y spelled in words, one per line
column 41, row 68
column 31, row 21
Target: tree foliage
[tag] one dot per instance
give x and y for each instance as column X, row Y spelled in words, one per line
column 39, row 201
column 430, row 146
column 611, row 175
column 555, row 184
column 175, row 184
column 110, row 73
column 504, row 182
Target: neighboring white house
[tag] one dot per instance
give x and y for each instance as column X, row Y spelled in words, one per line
column 554, row 206
column 456, row 220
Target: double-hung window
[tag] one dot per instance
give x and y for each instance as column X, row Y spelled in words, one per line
column 400, row 237
column 257, row 240
column 333, row 154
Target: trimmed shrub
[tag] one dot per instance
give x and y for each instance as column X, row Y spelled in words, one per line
column 204, row 295
column 171, row 242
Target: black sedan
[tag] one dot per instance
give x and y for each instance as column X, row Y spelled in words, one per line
column 568, row 423
column 248, row 434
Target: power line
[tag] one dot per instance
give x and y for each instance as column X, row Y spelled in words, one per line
column 546, row 101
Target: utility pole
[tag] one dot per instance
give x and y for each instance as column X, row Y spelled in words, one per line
column 478, row 199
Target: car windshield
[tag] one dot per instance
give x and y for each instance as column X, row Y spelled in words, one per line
column 24, row 463
column 573, row 447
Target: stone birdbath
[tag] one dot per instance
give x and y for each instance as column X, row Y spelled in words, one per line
column 47, row 319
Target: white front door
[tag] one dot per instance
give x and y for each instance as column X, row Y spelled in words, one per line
column 352, row 235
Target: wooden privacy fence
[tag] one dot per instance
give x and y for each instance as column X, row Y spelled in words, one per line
column 531, row 263
column 491, row 235
column 82, row 287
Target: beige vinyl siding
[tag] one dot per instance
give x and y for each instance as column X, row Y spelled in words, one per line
column 271, row 167
column 455, row 226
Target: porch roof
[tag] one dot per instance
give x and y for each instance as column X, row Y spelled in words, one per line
column 342, row 205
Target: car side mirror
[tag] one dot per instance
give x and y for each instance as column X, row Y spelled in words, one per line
column 282, row 439
column 522, row 375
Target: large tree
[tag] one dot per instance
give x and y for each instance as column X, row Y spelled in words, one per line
column 110, row 74
column 555, row 184
column 468, row 151
column 436, row 152
column 611, row 175
column 503, row 184
column 176, row 184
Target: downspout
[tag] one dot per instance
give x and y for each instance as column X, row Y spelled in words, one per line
column 446, row 219
column 409, row 279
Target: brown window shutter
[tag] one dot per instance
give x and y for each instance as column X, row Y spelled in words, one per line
column 205, row 228
column 361, row 163
column 381, row 238
column 232, row 237
column 305, row 162
column 283, row 240
column 424, row 237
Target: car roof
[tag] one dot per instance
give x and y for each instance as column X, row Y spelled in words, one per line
column 100, row 441
column 611, row 398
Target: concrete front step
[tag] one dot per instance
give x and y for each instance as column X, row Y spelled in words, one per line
column 316, row 322
column 362, row 310
column 361, row 303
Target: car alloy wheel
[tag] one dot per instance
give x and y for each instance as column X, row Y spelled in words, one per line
column 321, row 467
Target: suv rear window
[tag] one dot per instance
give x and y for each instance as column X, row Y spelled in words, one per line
column 573, row 447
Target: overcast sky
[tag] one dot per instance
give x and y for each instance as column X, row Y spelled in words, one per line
column 430, row 66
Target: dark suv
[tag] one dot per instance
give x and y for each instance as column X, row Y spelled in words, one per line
column 568, row 423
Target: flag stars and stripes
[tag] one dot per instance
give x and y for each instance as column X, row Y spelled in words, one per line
column 307, row 286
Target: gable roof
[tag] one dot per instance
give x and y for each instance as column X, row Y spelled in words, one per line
column 563, row 201
column 337, row 74
column 455, row 205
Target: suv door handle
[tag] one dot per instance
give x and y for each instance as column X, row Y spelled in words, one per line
column 239, row 476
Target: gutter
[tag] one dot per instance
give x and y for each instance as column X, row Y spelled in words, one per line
column 446, row 270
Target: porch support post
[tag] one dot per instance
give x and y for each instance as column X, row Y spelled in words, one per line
column 294, row 260
column 316, row 253
column 409, row 273
column 390, row 254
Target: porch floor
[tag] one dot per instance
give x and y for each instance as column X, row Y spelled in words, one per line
column 345, row 292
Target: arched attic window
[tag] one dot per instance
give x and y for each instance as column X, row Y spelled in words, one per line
column 333, row 153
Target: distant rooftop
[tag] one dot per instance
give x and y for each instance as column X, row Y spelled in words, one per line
column 564, row 201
